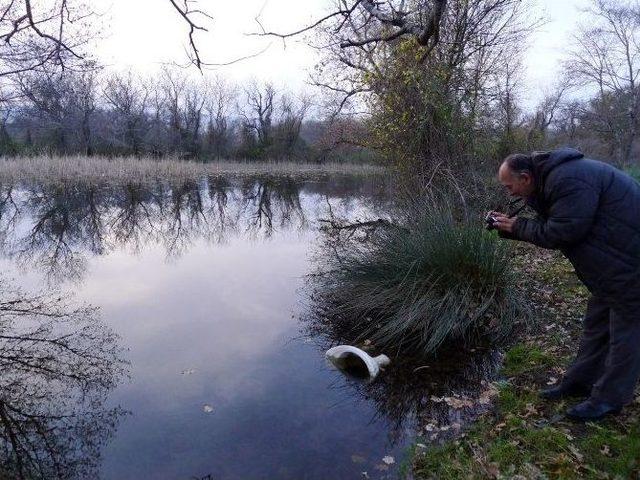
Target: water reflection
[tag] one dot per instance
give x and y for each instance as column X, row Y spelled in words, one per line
column 58, row 362
column 56, row 227
column 435, row 396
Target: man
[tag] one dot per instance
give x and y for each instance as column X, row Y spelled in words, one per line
column 590, row 211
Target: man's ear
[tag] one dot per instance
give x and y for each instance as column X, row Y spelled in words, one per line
column 527, row 177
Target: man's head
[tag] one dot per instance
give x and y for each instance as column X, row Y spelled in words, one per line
column 516, row 175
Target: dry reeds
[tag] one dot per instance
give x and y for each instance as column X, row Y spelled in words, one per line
column 122, row 169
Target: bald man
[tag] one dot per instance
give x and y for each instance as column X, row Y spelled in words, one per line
column 590, row 211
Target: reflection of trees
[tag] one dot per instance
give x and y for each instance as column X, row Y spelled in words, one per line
column 55, row 226
column 132, row 219
column 9, row 213
column 271, row 199
column 64, row 219
column 57, row 363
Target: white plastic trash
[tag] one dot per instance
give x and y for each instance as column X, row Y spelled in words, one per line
column 356, row 362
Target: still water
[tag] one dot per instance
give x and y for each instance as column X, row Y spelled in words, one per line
column 196, row 362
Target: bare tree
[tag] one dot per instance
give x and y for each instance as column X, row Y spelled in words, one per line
column 220, row 97
column 607, row 57
column 183, row 104
column 358, row 23
column 49, row 96
column 507, row 109
column 546, row 113
column 83, row 101
column 292, row 113
column 39, row 34
column 258, row 116
column 128, row 96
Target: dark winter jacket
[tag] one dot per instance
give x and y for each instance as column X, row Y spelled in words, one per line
column 591, row 212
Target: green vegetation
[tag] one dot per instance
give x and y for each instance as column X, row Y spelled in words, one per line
column 525, row 358
column 433, row 278
column 524, row 435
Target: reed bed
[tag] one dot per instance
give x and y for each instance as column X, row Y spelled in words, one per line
column 122, row 169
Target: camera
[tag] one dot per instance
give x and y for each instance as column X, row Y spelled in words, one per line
column 490, row 221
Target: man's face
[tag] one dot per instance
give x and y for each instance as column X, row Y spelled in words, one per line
column 517, row 184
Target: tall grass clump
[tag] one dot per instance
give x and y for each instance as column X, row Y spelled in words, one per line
column 429, row 278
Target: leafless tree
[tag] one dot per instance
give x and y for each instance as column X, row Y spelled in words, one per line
column 83, row 101
column 183, row 105
column 49, row 96
column 258, row 115
column 359, row 35
column 546, row 113
column 359, row 23
column 35, row 34
column 506, row 113
column 129, row 97
column 607, row 57
column 219, row 100
column 292, row 112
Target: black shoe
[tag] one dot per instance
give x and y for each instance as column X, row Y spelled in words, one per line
column 592, row 410
column 565, row 391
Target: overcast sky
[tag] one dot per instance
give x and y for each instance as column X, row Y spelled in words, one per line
column 142, row 34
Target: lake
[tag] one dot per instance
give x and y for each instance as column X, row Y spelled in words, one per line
column 198, row 360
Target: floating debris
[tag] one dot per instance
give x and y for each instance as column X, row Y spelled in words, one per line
column 357, row 362
column 389, row 460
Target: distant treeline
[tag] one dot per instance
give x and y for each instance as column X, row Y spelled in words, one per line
column 120, row 114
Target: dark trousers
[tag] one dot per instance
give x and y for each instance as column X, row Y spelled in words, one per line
column 608, row 358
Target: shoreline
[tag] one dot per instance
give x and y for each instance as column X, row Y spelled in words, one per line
column 79, row 168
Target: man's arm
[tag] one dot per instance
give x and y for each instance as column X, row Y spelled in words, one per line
column 573, row 208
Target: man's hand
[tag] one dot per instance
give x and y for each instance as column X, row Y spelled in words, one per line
column 503, row 223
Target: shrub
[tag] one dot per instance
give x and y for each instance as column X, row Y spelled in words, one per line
column 433, row 277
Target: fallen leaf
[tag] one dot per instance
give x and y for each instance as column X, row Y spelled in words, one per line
column 458, row 403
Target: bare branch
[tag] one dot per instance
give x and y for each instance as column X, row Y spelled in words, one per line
column 185, row 13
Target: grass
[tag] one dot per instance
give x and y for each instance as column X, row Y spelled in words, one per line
column 431, row 279
column 81, row 168
column 526, row 358
column 524, row 436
